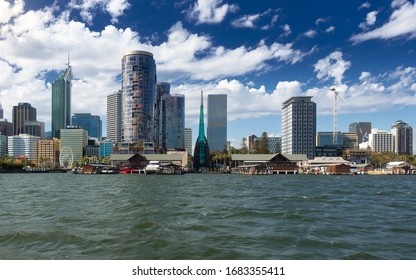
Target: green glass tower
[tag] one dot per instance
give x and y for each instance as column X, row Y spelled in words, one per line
column 201, row 152
column 61, row 102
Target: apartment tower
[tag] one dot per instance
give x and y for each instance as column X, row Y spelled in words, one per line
column 114, row 117
column 299, row 126
column 138, row 96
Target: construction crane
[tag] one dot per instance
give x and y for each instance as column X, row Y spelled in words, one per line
column 336, row 95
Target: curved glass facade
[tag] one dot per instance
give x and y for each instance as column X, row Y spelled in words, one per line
column 138, row 96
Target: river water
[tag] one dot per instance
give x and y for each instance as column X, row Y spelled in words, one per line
column 207, row 216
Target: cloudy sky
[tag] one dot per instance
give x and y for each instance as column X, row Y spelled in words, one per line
column 260, row 53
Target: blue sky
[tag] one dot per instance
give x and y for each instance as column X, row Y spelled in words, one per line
column 260, row 53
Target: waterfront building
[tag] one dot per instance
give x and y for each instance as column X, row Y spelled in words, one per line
column 6, row 128
column 23, row 145
column 48, row 151
column 61, row 102
column 162, row 90
column 91, row 123
column 21, row 113
column 363, row 130
column 138, row 96
column 381, row 141
column 299, row 126
column 188, row 140
column 350, row 140
column 327, row 138
column 106, row 148
column 402, row 137
column 3, row 145
column 201, row 152
column 174, row 121
column 73, row 142
column 34, row 128
column 274, row 144
column 114, row 116
column 217, row 122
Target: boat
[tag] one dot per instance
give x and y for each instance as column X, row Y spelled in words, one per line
column 153, row 168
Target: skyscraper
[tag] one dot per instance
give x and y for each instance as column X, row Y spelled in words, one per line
column 91, row 123
column 299, row 126
column 162, row 90
column 114, row 117
column 22, row 113
column 138, row 96
column 174, row 121
column 61, row 102
column 402, row 138
column 217, row 122
column 201, row 152
column 363, row 130
column 1, row 112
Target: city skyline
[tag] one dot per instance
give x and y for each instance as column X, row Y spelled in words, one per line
column 258, row 54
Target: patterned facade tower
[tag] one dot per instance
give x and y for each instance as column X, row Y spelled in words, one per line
column 201, row 152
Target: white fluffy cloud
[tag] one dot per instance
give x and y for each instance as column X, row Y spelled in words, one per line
column 10, row 10
column 402, row 22
column 250, row 21
column 332, row 66
column 370, row 20
column 87, row 8
column 210, row 11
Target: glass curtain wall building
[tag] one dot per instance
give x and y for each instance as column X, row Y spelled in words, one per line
column 61, row 102
column 217, row 122
column 91, row 123
column 174, row 122
column 162, row 90
column 299, row 126
column 138, row 96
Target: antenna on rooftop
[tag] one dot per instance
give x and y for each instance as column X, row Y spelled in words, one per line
column 68, row 59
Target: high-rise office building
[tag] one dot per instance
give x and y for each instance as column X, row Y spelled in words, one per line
column 162, row 90
column 61, row 102
column 114, row 117
column 299, row 126
column 6, row 128
column 91, row 123
column 1, row 112
column 22, row 113
column 363, row 130
column 138, row 96
column 201, row 152
column 402, row 137
column 188, row 140
column 217, row 122
column 34, row 128
column 174, row 122
column 74, row 140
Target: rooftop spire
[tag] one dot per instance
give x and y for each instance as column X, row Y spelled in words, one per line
column 68, row 60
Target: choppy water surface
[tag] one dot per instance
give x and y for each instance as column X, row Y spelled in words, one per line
column 200, row 216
